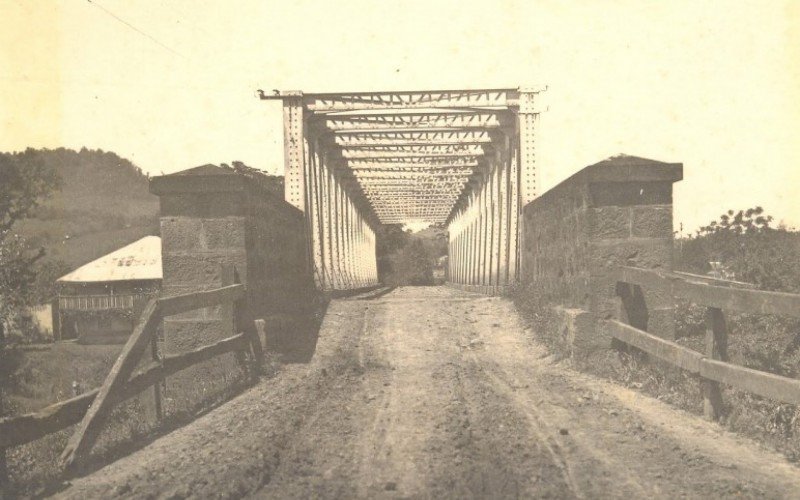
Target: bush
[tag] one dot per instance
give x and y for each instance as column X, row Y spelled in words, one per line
column 412, row 265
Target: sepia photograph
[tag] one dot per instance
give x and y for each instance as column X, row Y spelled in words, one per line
column 399, row 249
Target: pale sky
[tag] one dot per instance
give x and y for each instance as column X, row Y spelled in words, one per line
column 712, row 84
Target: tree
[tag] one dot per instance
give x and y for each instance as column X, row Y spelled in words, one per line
column 745, row 244
column 389, row 240
column 24, row 182
column 412, row 265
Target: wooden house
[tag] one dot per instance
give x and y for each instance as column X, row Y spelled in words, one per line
column 99, row 302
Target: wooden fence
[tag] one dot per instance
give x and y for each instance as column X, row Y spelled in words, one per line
column 712, row 366
column 91, row 409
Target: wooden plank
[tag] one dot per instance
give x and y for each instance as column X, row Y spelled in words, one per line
column 172, row 364
column 668, row 351
column 197, row 300
column 722, row 297
column 15, row 431
column 21, row 429
column 89, row 429
column 716, row 348
column 650, row 279
column 740, row 300
column 764, row 384
column 713, row 281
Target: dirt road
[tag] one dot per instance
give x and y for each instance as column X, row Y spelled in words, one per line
column 433, row 393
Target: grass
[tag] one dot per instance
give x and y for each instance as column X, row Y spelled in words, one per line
column 45, row 377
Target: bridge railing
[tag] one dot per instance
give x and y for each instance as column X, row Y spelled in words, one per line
column 712, row 366
column 91, row 409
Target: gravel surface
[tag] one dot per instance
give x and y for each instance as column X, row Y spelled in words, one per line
column 435, row 393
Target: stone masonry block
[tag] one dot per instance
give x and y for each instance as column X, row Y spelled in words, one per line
column 201, row 269
column 579, row 332
column 644, row 252
column 202, row 205
column 652, row 221
column 186, row 335
column 609, row 222
column 194, row 234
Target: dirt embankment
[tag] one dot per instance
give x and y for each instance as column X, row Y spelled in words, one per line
column 431, row 393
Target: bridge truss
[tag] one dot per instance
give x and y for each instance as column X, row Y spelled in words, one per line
column 462, row 158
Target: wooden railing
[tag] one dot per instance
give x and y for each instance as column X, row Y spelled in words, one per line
column 712, row 366
column 92, row 409
column 99, row 302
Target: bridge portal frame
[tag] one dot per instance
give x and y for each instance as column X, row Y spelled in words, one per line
column 462, row 158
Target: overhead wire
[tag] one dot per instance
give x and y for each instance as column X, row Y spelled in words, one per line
column 134, row 28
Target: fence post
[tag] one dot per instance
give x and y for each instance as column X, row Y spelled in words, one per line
column 228, row 277
column 242, row 320
column 157, row 385
column 631, row 310
column 261, row 329
column 716, row 348
column 89, row 429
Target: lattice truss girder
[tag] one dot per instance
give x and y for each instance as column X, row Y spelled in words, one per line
column 415, row 154
column 321, row 103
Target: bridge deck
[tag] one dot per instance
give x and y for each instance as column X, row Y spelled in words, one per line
column 430, row 392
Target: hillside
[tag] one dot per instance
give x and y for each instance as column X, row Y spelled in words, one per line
column 103, row 203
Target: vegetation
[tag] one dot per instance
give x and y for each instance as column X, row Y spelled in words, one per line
column 740, row 245
column 26, row 182
column 407, row 258
column 87, row 203
column 747, row 249
column 103, row 203
column 58, row 209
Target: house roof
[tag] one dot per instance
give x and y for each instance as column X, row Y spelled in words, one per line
column 141, row 260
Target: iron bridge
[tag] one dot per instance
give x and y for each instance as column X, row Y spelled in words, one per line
column 465, row 159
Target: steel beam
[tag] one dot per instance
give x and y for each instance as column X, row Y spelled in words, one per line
column 418, row 161
column 408, row 140
column 353, row 101
column 371, row 174
column 293, row 151
column 381, row 123
column 413, row 151
column 528, row 117
column 318, row 235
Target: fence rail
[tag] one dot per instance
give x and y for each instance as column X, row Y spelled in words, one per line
column 91, row 409
column 712, row 366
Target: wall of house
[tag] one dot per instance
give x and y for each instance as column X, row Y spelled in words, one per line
column 92, row 320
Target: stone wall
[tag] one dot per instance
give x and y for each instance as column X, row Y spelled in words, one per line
column 212, row 217
column 616, row 212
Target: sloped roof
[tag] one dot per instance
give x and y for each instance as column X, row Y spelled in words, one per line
column 141, row 260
